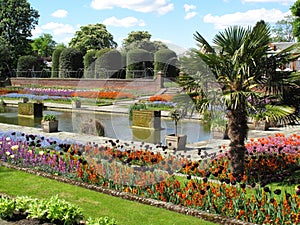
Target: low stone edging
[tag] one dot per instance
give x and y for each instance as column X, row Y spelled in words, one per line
column 127, row 196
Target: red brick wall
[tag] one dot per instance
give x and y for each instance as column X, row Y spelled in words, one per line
column 131, row 84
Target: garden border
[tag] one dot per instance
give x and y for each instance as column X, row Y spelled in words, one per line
column 127, row 196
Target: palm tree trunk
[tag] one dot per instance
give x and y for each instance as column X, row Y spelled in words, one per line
column 237, row 132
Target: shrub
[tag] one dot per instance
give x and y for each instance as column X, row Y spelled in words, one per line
column 55, row 62
column 70, row 63
column 138, row 59
column 89, row 63
column 165, row 60
column 27, row 64
column 109, row 64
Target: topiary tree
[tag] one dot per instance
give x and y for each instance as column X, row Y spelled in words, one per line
column 137, row 61
column 98, row 68
column 89, row 63
column 109, row 64
column 165, row 60
column 70, row 63
column 27, row 64
column 55, row 62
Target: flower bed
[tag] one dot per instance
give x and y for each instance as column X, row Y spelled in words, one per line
column 96, row 165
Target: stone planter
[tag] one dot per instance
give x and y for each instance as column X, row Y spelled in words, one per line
column 146, row 119
column 30, row 109
column 219, row 134
column 261, row 125
column 76, row 104
column 49, row 126
column 177, row 142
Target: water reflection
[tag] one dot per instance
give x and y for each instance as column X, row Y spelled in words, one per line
column 116, row 125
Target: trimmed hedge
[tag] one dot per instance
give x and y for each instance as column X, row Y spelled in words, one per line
column 109, row 64
column 89, row 63
column 138, row 59
column 70, row 63
column 27, row 63
column 55, row 62
column 165, row 60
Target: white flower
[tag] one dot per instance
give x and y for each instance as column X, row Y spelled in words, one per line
column 12, row 156
column 30, row 151
column 15, row 147
column 7, row 139
column 41, row 153
column 7, row 153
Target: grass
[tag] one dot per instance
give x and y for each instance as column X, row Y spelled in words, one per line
column 94, row 204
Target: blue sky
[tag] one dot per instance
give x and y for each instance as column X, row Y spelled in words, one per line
column 170, row 21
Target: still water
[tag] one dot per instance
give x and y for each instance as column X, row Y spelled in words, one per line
column 116, row 125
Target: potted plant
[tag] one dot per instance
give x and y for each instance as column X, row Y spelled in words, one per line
column 76, row 102
column 49, row 123
column 176, row 141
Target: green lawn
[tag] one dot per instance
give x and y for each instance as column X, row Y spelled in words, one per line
column 94, row 204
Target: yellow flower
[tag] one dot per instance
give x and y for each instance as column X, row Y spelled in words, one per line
column 12, row 156
column 30, row 151
column 15, row 147
column 41, row 153
column 7, row 153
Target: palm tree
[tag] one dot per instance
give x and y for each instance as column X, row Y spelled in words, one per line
column 243, row 68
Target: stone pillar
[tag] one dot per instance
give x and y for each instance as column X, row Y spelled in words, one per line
column 160, row 79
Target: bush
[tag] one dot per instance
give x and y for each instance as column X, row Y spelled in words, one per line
column 27, row 64
column 136, row 106
column 70, row 63
column 138, row 59
column 55, row 62
column 109, row 64
column 89, row 63
column 165, row 60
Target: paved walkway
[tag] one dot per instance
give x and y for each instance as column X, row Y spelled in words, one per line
column 192, row 150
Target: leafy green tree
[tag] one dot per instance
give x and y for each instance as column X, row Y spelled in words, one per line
column 240, row 64
column 283, row 30
column 44, row 45
column 18, row 18
column 5, row 57
column 295, row 9
column 92, row 36
column 141, row 40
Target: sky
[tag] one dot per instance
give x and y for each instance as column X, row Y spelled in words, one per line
column 173, row 22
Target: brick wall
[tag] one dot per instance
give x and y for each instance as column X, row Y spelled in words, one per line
column 131, row 84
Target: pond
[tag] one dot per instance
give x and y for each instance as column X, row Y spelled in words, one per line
column 116, row 125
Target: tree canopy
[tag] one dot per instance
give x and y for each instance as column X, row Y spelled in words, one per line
column 282, row 31
column 141, row 40
column 18, row 18
column 92, row 37
column 44, row 45
column 295, row 9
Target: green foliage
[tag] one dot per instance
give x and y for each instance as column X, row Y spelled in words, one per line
column 109, row 64
column 7, row 207
column 26, row 63
column 49, row 117
column 295, row 9
column 92, row 36
column 55, row 62
column 44, row 45
column 70, row 63
column 101, row 221
column 89, row 63
column 165, row 60
column 18, row 18
column 138, row 59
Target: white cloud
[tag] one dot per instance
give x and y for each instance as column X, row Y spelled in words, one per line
column 59, row 28
column 60, row 13
column 248, row 18
column 124, row 22
column 188, row 7
column 190, row 15
column 283, row 2
column 36, row 31
column 145, row 6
